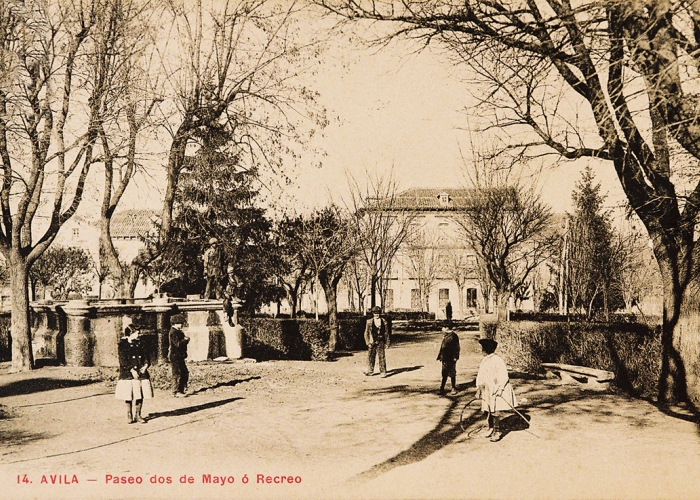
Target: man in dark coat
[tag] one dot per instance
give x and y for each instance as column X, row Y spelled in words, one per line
column 377, row 338
column 449, row 354
column 178, row 355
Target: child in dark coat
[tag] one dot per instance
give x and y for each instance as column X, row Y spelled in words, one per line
column 449, row 354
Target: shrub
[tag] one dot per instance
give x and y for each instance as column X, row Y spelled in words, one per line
column 351, row 333
column 411, row 315
column 630, row 350
column 300, row 339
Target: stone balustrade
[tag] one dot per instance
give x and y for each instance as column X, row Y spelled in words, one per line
column 86, row 332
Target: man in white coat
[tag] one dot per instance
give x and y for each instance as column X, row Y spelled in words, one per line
column 494, row 387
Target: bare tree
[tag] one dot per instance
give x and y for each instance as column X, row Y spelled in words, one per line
column 460, row 267
column 509, row 229
column 356, row 279
column 123, row 57
column 329, row 243
column 425, row 262
column 230, row 68
column 626, row 70
column 295, row 269
column 51, row 102
column 383, row 224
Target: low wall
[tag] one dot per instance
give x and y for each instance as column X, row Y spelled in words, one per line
column 86, row 333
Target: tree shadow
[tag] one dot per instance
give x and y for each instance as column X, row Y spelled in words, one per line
column 335, row 355
column 40, row 384
column 191, row 409
column 228, row 383
column 396, row 371
column 20, row 438
column 565, row 403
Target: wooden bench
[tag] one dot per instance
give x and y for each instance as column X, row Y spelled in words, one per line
column 592, row 378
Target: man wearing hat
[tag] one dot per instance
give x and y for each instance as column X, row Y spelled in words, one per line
column 494, row 387
column 449, row 354
column 178, row 355
column 212, row 269
column 377, row 338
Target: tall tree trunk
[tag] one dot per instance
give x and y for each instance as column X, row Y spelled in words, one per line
column 373, row 290
column 22, row 355
column 330, row 288
column 502, row 306
column 109, row 258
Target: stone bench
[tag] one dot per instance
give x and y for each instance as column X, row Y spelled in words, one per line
column 592, row 378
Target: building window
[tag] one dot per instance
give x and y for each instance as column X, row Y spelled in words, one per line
column 415, row 299
column 388, row 302
column 471, row 298
column 444, row 297
column 76, row 233
column 444, row 199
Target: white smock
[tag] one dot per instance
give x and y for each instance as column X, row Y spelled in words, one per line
column 492, row 378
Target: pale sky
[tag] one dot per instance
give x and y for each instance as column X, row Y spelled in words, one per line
column 406, row 111
column 391, row 108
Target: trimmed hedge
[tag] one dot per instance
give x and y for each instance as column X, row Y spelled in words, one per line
column 412, row 315
column 300, row 339
column 631, row 350
column 351, row 334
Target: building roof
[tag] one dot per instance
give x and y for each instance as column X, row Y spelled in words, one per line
column 440, row 199
column 136, row 223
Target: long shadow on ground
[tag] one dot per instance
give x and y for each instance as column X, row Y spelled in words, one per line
column 566, row 404
column 396, row 371
column 20, row 438
column 228, row 383
column 191, row 409
column 30, row 386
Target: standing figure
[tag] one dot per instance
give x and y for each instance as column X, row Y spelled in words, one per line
column 494, row 387
column 448, row 312
column 134, row 383
column 449, row 354
column 212, row 269
column 377, row 338
column 178, row 355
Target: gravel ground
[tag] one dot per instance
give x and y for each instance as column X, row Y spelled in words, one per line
column 339, row 433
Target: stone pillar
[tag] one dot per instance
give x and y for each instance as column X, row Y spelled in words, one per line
column 233, row 334
column 198, row 332
column 79, row 341
column 162, row 310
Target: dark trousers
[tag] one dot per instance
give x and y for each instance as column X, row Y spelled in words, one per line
column 180, row 376
column 449, row 369
column 377, row 348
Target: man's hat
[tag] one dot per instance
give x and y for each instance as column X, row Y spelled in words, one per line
column 376, row 309
column 488, row 344
column 177, row 319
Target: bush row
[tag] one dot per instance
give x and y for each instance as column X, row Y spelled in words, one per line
column 631, row 350
column 300, row 339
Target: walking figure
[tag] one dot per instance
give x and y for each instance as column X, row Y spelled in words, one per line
column 449, row 354
column 377, row 338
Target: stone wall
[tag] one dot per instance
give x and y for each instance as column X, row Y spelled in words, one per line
column 86, row 333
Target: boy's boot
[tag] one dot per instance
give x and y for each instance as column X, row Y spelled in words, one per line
column 129, row 415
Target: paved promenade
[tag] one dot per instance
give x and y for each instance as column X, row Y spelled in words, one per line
column 323, row 430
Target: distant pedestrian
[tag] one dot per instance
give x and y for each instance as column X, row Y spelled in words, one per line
column 178, row 355
column 449, row 354
column 494, row 387
column 448, row 312
column 377, row 338
column 134, row 383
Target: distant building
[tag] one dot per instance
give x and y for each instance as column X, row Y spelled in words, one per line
column 128, row 228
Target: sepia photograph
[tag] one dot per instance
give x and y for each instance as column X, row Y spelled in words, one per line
column 349, row 249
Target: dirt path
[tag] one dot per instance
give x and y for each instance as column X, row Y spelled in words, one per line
column 339, row 433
